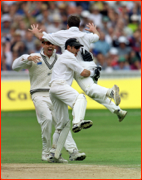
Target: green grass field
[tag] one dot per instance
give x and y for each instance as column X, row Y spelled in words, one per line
column 107, row 142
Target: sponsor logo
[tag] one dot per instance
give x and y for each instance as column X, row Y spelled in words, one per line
column 13, row 96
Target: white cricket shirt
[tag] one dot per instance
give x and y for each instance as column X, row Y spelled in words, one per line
column 59, row 38
column 65, row 67
column 39, row 73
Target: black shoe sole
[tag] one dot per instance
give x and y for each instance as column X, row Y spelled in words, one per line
column 76, row 129
column 80, row 158
column 86, row 125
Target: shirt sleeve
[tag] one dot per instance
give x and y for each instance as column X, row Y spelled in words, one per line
column 21, row 63
column 74, row 65
column 92, row 37
column 54, row 38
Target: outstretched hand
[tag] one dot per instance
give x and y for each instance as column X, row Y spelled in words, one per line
column 92, row 28
column 36, row 31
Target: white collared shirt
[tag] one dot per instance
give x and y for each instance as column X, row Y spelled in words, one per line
column 65, row 67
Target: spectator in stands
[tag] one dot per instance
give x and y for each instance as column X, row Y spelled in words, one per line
column 96, row 16
column 135, row 43
column 123, row 49
column 6, row 23
column 109, row 67
column 133, row 25
column 43, row 17
column 85, row 18
column 122, row 64
column 102, row 46
column 134, row 61
column 56, row 25
column 101, row 60
column 6, row 58
column 29, row 42
column 113, row 55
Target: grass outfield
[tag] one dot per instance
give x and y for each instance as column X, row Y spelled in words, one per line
column 108, row 142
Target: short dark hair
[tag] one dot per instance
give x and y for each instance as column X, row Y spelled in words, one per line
column 73, row 21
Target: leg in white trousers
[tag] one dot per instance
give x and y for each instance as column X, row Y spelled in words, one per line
column 61, row 95
column 45, row 113
column 44, row 118
column 96, row 92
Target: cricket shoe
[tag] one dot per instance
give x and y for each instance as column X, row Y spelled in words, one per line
column 76, row 128
column 114, row 94
column 83, row 124
column 51, row 159
column 76, row 156
column 120, row 114
column 44, row 157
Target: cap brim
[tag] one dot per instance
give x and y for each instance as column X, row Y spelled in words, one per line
column 77, row 44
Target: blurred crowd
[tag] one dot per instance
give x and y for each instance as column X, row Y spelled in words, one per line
column 119, row 24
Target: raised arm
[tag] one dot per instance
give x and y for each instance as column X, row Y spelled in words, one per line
column 92, row 28
column 36, row 31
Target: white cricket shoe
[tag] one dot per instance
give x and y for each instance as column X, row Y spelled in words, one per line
column 114, row 94
column 62, row 160
column 120, row 114
column 76, row 156
column 44, row 157
column 52, row 159
column 83, row 124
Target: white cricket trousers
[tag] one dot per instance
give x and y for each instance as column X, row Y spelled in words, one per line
column 62, row 95
column 96, row 92
column 45, row 117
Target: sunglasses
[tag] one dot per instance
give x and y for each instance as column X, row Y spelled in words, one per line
column 76, row 47
column 47, row 43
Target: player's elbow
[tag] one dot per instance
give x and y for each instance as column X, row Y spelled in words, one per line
column 14, row 68
column 85, row 73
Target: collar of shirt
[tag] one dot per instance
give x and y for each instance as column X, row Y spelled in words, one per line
column 74, row 29
column 51, row 59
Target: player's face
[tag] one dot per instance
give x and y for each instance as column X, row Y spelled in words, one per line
column 48, row 47
column 75, row 49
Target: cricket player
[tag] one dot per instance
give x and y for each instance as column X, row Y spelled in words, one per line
column 40, row 67
column 63, row 95
column 93, row 90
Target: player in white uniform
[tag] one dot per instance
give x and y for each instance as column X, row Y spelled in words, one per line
column 96, row 92
column 40, row 67
column 63, row 95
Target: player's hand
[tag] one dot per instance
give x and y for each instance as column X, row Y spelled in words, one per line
column 97, row 73
column 34, row 29
column 92, row 28
column 34, row 58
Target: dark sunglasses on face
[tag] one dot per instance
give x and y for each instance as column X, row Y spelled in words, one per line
column 47, row 43
column 76, row 47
